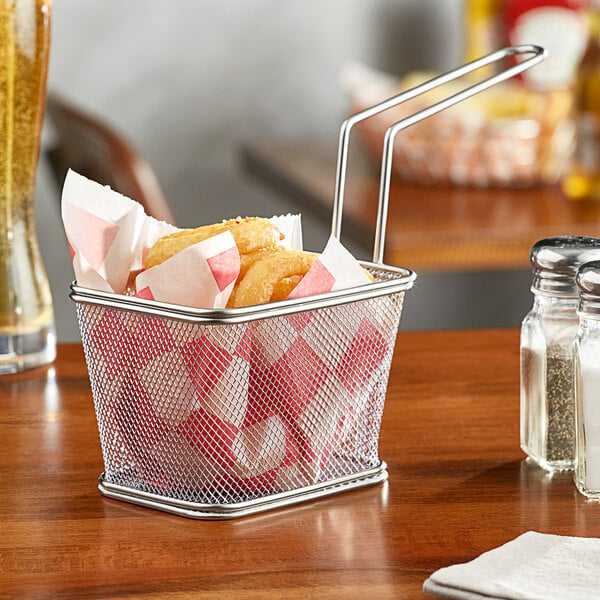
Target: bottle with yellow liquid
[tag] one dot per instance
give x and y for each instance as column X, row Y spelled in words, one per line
column 483, row 28
column 582, row 180
column 27, row 337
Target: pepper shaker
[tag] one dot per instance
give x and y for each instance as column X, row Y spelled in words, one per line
column 587, row 382
column 548, row 334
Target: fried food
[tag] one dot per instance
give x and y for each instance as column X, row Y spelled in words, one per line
column 283, row 288
column 251, row 235
column 268, row 271
column 271, row 276
column 247, row 260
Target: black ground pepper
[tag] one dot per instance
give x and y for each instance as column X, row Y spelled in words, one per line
column 560, row 444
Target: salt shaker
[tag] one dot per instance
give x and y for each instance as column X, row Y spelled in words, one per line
column 587, row 382
column 547, row 337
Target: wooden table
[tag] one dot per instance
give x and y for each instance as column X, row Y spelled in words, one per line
column 429, row 228
column 458, row 486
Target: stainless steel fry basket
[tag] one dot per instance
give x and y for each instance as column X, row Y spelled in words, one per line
column 215, row 414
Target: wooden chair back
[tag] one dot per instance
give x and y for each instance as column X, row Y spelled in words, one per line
column 94, row 149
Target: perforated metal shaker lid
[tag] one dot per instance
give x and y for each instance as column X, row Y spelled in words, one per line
column 588, row 281
column 555, row 262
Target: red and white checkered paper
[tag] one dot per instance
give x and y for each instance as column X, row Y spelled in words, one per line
column 244, row 413
column 110, row 234
column 245, row 409
column 107, row 233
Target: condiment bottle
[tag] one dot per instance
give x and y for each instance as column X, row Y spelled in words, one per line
column 582, row 179
column 557, row 25
column 547, row 338
column 483, row 28
column 587, row 382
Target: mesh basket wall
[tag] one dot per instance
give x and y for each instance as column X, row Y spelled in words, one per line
column 223, row 413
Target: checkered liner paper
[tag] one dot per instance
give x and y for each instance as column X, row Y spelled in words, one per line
column 218, row 414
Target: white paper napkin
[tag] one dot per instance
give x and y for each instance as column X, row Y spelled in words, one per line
column 534, row 566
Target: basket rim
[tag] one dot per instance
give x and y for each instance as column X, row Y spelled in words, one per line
column 402, row 279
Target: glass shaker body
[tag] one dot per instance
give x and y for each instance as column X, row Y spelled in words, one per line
column 547, row 398
column 587, row 382
column 587, row 395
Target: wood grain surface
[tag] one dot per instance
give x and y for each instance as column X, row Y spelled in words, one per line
column 429, row 228
column 458, row 486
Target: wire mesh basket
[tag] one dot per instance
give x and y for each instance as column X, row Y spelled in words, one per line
column 218, row 414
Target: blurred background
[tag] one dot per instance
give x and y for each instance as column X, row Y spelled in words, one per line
column 191, row 83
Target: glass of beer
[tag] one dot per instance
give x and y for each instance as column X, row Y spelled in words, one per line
column 27, row 334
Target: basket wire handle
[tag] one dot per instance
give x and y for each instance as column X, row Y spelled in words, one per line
column 539, row 54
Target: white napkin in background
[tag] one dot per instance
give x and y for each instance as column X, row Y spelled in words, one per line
column 534, row 566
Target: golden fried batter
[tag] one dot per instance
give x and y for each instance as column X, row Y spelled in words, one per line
column 250, row 234
column 264, row 276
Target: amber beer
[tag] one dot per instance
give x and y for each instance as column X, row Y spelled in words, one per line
column 26, row 315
